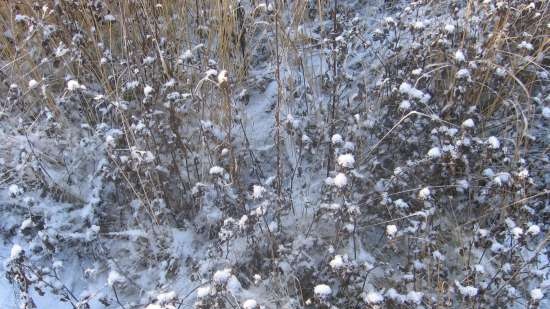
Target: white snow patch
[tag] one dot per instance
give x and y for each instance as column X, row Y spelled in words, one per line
column 322, row 290
column 216, row 170
column 434, row 153
column 340, row 180
column 468, row 123
column 337, row 262
column 114, row 278
column 536, row 294
column 374, row 298
column 415, row 297
column 459, row 56
column 346, row 160
column 74, row 85
column 33, row 83
column 337, row 139
column 391, row 230
column 250, row 304
column 147, row 90
column 203, row 291
column 257, row 191
column 493, row 142
column 533, row 230
column 16, row 252
column 424, row 193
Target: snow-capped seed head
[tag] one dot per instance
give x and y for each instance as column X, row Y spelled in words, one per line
column 337, row 262
column 466, row 291
column 222, row 276
column 250, row 304
column 346, row 160
column 74, row 85
column 16, row 252
column 337, row 139
column 468, row 123
column 32, row 83
column 374, row 298
column 216, row 170
column 517, row 232
column 405, row 105
column 203, row 291
column 449, row 28
column 391, row 230
column 340, row 180
column 493, row 142
column 223, row 78
column 257, row 191
column 147, row 90
column 525, row 45
column 424, row 193
column 459, row 56
column 536, row 294
column 15, row 190
column 322, row 291
column 463, row 74
column 434, row 153
column 533, row 230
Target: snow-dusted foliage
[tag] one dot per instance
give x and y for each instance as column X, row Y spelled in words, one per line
column 274, row 154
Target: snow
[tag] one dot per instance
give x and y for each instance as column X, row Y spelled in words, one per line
column 114, row 278
column 502, row 179
column 166, row 297
column 337, row 262
column 374, row 298
column 466, row 291
column 203, row 291
column 406, row 88
column 536, row 294
column 322, row 290
column 463, row 74
column 424, row 193
column 258, row 191
column 33, row 84
column 216, row 170
column 250, row 304
column 391, row 230
column 459, row 56
column 449, row 28
column 73, row 85
column 223, row 77
column 405, row 105
column 468, row 123
column 16, row 252
column 400, row 203
column 346, row 160
column 337, row 139
column 15, row 190
column 222, row 276
column 27, row 223
column 517, row 232
column 434, row 153
column 392, row 294
column 340, row 180
column 546, row 112
column 147, row 90
column 493, row 142
column 533, row 230
column 415, row 297
column 525, row 45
